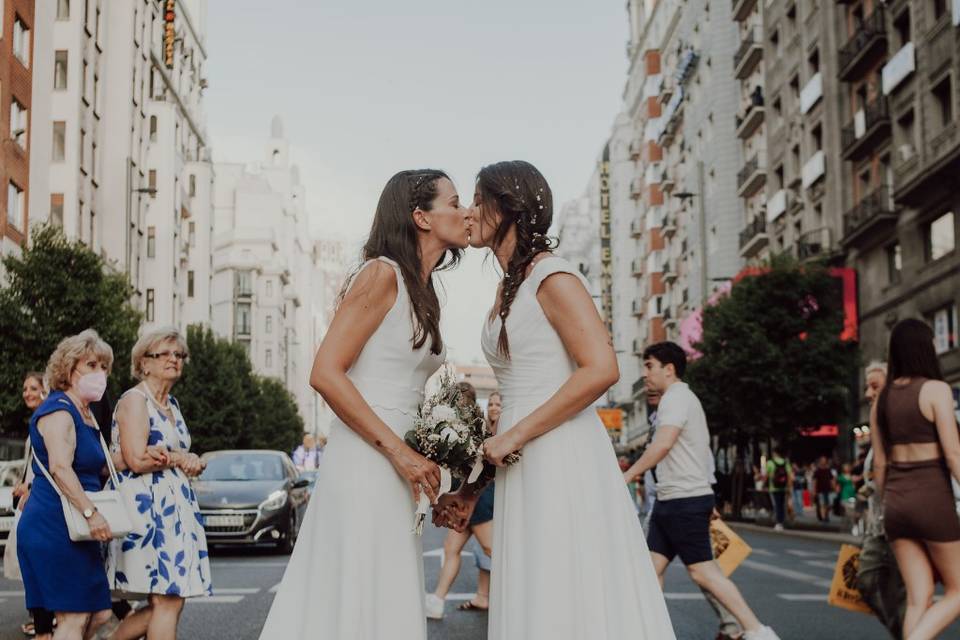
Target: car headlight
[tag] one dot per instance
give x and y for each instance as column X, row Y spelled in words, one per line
column 274, row 501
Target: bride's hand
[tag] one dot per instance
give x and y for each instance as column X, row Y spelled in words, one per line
column 453, row 511
column 421, row 474
column 498, row 447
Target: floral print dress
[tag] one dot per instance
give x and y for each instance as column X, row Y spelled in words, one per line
column 166, row 553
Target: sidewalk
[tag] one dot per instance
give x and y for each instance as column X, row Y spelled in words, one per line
column 805, row 526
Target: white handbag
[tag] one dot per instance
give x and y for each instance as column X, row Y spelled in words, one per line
column 109, row 504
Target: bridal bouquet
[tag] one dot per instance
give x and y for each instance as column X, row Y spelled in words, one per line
column 449, row 431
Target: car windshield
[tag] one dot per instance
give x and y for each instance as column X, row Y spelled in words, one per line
column 243, row 466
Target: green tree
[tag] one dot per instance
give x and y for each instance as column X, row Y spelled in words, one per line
column 226, row 405
column 774, row 362
column 55, row 289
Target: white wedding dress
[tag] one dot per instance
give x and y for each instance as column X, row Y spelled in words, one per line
column 356, row 572
column 570, row 561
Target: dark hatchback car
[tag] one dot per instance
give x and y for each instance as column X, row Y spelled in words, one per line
column 251, row 497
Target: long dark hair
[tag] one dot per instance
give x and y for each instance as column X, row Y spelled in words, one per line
column 910, row 355
column 522, row 197
column 394, row 235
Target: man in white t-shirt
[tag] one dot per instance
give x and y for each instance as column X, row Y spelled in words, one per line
column 680, row 451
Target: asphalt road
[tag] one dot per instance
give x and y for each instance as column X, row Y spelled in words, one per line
column 785, row 580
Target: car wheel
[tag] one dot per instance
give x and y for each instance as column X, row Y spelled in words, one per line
column 285, row 546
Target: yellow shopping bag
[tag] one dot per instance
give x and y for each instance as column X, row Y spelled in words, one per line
column 843, row 589
column 729, row 549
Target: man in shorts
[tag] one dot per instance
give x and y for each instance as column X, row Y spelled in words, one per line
column 680, row 451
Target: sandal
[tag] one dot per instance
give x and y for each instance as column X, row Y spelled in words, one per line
column 469, row 606
column 28, row 629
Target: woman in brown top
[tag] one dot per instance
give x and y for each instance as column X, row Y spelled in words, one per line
column 917, row 447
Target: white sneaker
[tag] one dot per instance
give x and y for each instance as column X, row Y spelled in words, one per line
column 778, row 527
column 763, row 633
column 434, row 605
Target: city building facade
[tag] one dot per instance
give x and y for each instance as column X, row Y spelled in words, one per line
column 16, row 107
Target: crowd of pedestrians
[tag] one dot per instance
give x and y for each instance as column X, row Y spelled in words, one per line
column 109, row 540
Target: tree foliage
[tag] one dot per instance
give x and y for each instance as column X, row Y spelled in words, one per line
column 58, row 288
column 226, row 405
column 773, row 359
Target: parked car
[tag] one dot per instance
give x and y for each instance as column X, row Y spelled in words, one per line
column 251, row 497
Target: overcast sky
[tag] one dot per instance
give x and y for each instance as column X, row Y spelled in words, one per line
column 366, row 89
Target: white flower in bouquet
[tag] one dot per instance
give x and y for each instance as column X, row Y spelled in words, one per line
column 443, row 413
column 450, row 435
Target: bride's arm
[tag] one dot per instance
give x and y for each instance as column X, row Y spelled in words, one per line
column 572, row 313
column 361, row 312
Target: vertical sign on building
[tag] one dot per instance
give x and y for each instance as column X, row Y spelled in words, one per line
column 606, row 258
column 169, row 33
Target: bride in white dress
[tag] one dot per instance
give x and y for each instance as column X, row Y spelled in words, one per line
column 569, row 557
column 357, row 569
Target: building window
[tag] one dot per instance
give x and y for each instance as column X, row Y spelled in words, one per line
column 940, row 237
column 63, row 9
column 18, row 123
column 150, row 302
column 938, row 8
column 151, row 242
column 814, row 61
column 902, row 26
column 242, row 318
column 816, row 137
column 60, row 69
column 189, row 284
column 944, row 323
column 56, row 209
column 192, row 234
column 268, row 325
column 894, row 263
column 907, row 130
column 269, row 289
column 59, row 140
column 93, row 161
column 943, row 99
column 15, row 206
column 268, row 358
column 83, row 150
column 193, row 185
column 93, row 229
column 153, row 128
column 152, row 182
column 21, row 41
column 243, row 283
column 83, row 83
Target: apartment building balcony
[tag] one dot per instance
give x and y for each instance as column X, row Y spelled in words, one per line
column 870, row 127
column 749, row 55
column 637, row 347
column 636, row 228
column 639, row 386
column 669, row 228
column 636, row 147
column 636, row 267
column 873, row 215
column 669, row 272
column 931, row 173
column 667, row 183
column 751, row 177
column 816, row 244
column 637, row 308
column 742, row 9
column 867, row 45
column 754, row 238
column 636, row 188
column 669, row 319
column 753, row 115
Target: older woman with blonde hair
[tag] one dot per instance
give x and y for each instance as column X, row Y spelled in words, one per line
column 165, row 558
column 58, row 574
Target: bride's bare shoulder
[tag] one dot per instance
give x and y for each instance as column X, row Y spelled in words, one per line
column 376, row 281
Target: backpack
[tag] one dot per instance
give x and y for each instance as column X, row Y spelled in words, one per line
column 780, row 476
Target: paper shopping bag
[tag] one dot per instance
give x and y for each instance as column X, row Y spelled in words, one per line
column 843, row 590
column 729, row 549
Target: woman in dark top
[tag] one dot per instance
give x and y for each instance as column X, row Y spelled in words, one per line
column 916, row 449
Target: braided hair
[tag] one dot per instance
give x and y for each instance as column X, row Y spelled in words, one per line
column 394, row 235
column 519, row 193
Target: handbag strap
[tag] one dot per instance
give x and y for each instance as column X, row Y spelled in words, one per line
column 103, row 445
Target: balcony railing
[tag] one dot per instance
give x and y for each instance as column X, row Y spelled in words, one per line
column 753, row 237
column 815, row 244
column 869, row 126
column 636, row 308
column 636, row 267
column 868, row 42
column 669, row 228
column 636, row 228
column 752, row 116
column 871, row 212
column 750, row 178
column 742, row 9
column 748, row 55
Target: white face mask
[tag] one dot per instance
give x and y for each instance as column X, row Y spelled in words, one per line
column 91, row 386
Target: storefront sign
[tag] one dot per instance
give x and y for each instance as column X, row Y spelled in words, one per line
column 606, row 257
column 612, row 418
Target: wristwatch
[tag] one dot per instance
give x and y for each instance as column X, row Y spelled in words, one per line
column 88, row 512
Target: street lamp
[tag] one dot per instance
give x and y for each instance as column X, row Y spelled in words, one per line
column 687, row 195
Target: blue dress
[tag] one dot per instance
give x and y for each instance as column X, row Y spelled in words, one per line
column 59, row 574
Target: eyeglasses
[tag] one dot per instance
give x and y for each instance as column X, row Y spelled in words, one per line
column 166, row 355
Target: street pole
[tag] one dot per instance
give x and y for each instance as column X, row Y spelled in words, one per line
column 704, row 277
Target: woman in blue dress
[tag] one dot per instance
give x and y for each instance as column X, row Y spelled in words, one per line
column 58, row 574
column 165, row 558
